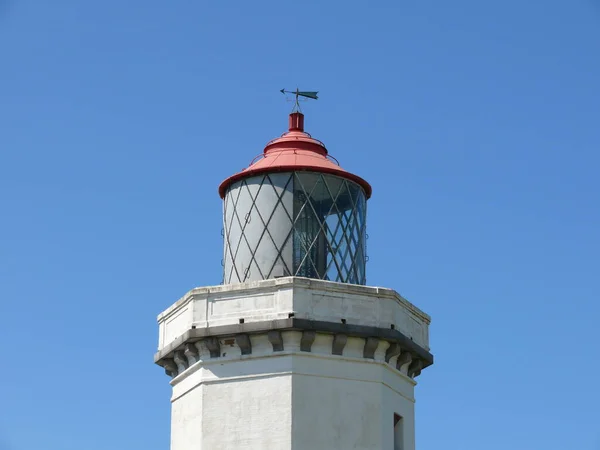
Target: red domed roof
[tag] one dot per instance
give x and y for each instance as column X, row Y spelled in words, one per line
column 293, row 151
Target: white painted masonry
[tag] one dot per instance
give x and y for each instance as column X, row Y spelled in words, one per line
column 290, row 400
column 290, row 389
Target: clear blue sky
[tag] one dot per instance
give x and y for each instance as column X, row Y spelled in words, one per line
column 476, row 122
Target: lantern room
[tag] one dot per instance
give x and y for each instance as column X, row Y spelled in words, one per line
column 294, row 212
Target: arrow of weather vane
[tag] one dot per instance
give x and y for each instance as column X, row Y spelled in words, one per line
column 298, row 93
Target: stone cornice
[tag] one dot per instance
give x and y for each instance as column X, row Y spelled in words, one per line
column 400, row 351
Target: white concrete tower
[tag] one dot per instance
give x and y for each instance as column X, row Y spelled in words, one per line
column 293, row 351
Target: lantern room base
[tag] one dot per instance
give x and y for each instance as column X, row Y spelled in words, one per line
column 293, row 363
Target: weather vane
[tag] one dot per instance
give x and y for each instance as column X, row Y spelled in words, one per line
column 298, row 94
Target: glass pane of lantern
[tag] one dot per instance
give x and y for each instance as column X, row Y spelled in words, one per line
column 328, row 237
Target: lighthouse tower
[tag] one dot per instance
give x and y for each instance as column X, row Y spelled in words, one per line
column 292, row 350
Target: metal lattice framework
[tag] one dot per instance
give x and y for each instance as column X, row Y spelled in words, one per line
column 300, row 223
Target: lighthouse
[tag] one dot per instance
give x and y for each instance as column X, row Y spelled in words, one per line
column 293, row 350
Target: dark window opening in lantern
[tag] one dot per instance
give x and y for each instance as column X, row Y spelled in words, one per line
column 329, row 228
